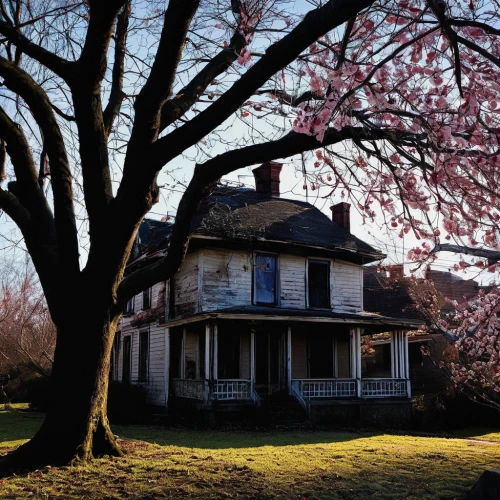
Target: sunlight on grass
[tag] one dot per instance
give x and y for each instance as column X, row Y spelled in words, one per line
column 181, row 463
column 480, row 433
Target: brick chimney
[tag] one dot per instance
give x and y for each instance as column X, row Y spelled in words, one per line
column 267, row 178
column 340, row 215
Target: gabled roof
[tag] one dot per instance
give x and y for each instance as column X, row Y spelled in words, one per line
column 242, row 214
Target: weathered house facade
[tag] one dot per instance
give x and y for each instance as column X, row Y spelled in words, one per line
column 267, row 305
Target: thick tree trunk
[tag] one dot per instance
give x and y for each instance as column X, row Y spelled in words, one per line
column 76, row 426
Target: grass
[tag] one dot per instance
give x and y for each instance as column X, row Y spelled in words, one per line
column 178, row 463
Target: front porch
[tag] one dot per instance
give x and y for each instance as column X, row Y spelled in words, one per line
column 238, row 363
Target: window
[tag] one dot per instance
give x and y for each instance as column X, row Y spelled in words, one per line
column 143, row 356
column 113, row 363
column 127, row 353
column 146, row 299
column 129, row 306
column 318, row 279
column 265, row 279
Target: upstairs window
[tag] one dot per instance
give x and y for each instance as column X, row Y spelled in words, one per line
column 143, row 356
column 146, row 299
column 265, row 279
column 318, row 279
column 129, row 306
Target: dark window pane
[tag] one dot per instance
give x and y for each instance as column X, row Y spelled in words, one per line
column 126, row 359
column 143, row 356
column 129, row 306
column 320, row 355
column 146, row 299
column 319, row 284
column 265, row 279
column 228, row 355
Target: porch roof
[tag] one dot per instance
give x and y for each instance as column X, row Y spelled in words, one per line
column 256, row 313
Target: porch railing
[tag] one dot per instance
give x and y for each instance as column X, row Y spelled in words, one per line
column 232, row 390
column 191, row 389
column 325, row 388
column 384, row 387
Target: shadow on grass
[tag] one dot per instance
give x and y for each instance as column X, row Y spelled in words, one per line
column 18, row 425
column 224, row 439
column 21, row 425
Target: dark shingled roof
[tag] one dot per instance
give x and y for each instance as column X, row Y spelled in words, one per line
column 244, row 214
column 387, row 297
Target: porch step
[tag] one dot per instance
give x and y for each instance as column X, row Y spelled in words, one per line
column 283, row 411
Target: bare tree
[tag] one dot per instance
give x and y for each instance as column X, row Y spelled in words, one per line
column 27, row 334
column 73, row 123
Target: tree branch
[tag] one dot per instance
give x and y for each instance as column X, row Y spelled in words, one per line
column 186, row 97
column 491, row 255
column 92, row 62
column 158, row 87
column 116, row 95
column 58, row 65
column 315, row 24
column 208, row 173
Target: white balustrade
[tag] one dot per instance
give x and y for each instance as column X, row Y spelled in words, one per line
column 232, row 390
column 384, row 387
column 325, row 388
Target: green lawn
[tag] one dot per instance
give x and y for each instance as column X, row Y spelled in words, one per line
column 179, row 463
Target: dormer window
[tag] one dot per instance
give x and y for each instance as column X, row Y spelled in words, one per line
column 146, row 299
column 265, row 279
column 318, row 284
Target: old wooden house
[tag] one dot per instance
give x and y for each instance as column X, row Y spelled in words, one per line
column 265, row 312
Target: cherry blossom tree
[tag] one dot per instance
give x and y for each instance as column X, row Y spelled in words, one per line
column 392, row 103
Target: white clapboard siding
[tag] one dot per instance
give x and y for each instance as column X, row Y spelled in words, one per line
column 226, row 279
column 292, row 281
column 347, row 291
column 186, row 286
column 155, row 384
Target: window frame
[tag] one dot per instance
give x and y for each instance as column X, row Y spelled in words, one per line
column 149, row 293
column 328, row 263
column 129, row 307
column 129, row 359
column 115, row 357
column 276, row 302
column 143, row 377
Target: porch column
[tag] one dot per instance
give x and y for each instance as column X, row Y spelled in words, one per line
column 252, row 358
column 289, row 359
column 207, row 351
column 183, row 354
column 166, row 365
column 407, row 363
column 355, row 348
column 359, row 331
column 216, row 352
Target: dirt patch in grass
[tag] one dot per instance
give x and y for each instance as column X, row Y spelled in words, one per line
column 165, row 463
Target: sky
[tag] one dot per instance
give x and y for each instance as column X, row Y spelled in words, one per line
column 177, row 174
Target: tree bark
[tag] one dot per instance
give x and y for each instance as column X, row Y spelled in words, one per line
column 78, row 394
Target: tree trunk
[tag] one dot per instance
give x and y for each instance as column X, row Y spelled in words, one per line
column 76, row 426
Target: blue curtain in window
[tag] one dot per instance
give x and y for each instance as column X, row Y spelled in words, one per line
column 265, row 279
